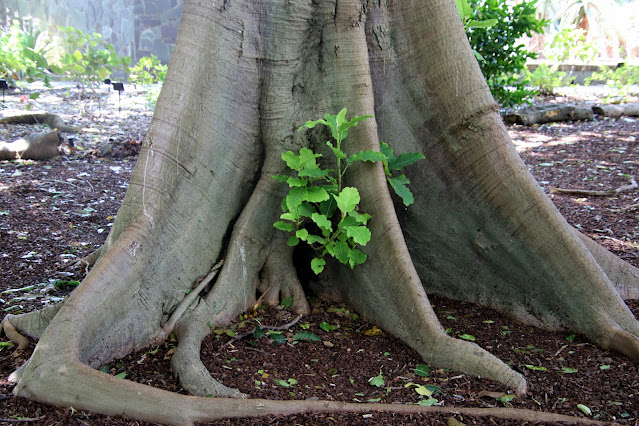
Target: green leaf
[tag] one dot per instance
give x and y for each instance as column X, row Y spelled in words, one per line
column 304, row 210
column 356, row 257
column 316, row 194
column 277, row 337
column 340, row 251
column 568, row 370
column 258, row 333
column 292, row 241
column 338, row 152
column 433, row 388
column 314, row 173
column 584, row 409
column 308, row 159
column 347, row 199
column 464, row 9
column 467, row 337
column 405, row 159
column 312, row 239
column 295, row 182
column 122, row 375
column 281, row 178
column 604, row 367
column 428, row 402
column 535, row 368
column 571, row 338
column 311, row 124
column 486, row 23
column 325, row 326
column 322, row 221
column 360, row 234
column 306, row 336
column 399, row 186
column 283, row 383
column 283, row 226
column 362, row 218
column 327, row 208
column 288, row 216
column 291, row 160
column 421, row 390
column 422, row 370
column 507, row 398
column 386, row 150
column 302, row 234
column 296, row 196
column 377, row 380
column 371, row 156
column 287, row 302
column 317, row 265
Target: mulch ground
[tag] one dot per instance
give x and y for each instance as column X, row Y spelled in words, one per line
column 53, row 213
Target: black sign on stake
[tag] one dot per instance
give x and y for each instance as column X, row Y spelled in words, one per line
column 3, row 86
column 120, row 88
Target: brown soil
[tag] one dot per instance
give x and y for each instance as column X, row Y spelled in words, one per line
column 53, row 213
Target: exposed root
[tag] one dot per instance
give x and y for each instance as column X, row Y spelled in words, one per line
column 187, row 365
column 279, row 278
column 31, row 324
column 625, row 343
column 621, row 274
column 99, row 392
column 88, row 261
column 13, row 334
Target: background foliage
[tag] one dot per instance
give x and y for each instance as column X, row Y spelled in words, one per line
column 504, row 54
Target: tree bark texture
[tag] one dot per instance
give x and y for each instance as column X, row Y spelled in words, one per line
column 244, row 76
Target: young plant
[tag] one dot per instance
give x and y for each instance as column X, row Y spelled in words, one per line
column 318, row 202
column 22, row 54
column 88, row 59
column 148, row 70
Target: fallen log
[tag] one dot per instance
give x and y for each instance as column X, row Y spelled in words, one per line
column 548, row 113
column 37, row 117
column 616, row 111
column 36, row 146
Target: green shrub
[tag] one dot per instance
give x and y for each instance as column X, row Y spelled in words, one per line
column 618, row 80
column 88, row 60
column 504, row 56
column 546, row 79
column 147, row 71
column 570, row 44
column 153, row 93
column 22, row 56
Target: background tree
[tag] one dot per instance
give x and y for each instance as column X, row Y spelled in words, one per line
column 502, row 49
column 244, row 77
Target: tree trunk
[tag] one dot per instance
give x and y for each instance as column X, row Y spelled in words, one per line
column 244, row 76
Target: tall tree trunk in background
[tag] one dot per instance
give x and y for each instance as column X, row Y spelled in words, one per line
column 244, row 76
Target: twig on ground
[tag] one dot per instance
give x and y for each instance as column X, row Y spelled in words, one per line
column 26, row 419
column 605, row 193
column 263, row 327
column 623, row 209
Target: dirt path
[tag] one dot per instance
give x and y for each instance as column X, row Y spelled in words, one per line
column 52, row 213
